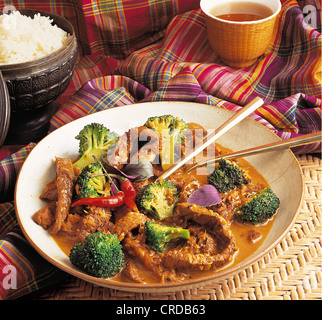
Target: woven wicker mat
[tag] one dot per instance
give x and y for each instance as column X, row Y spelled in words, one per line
column 291, row 271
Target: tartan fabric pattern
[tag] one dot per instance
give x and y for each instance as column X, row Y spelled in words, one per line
column 30, row 271
column 157, row 50
column 9, row 169
column 291, row 96
column 8, row 219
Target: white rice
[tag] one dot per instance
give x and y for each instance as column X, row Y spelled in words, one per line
column 25, row 39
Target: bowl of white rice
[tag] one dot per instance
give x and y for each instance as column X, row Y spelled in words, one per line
column 37, row 57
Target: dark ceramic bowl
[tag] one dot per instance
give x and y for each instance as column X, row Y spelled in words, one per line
column 37, row 83
column 4, row 110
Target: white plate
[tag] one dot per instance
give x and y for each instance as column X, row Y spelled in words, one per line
column 279, row 168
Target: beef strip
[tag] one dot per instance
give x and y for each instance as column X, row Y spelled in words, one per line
column 50, row 192
column 89, row 224
column 224, row 209
column 138, row 185
column 211, row 220
column 46, row 215
column 184, row 259
column 194, row 137
column 147, row 145
column 201, row 241
column 138, row 249
column 196, row 253
column 65, row 181
column 132, row 272
column 96, row 219
column 120, row 153
column 190, row 185
column 137, row 143
column 131, row 220
column 70, row 224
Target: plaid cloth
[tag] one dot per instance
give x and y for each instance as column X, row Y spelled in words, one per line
column 139, row 51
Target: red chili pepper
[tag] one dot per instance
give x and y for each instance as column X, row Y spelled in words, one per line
column 130, row 194
column 111, row 201
column 129, row 202
column 128, row 188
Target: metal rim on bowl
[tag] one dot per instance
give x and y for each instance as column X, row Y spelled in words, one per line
column 4, row 110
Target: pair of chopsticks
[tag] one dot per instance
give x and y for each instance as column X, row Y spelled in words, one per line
column 283, row 144
column 231, row 122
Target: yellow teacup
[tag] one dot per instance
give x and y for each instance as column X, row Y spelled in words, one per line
column 239, row 43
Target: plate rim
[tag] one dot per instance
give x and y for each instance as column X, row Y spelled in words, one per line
column 171, row 286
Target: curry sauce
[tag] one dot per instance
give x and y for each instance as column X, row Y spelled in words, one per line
column 217, row 240
column 248, row 237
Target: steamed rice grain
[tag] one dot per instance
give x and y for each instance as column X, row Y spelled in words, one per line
column 25, row 39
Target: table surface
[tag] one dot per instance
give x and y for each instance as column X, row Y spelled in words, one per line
column 290, row 271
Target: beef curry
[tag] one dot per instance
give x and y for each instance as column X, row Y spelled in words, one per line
column 216, row 240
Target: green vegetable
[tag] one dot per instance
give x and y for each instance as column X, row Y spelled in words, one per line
column 227, row 176
column 259, row 208
column 94, row 141
column 100, row 255
column 91, row 182
column 158, row 235
column 171, row 129
column 158, row 199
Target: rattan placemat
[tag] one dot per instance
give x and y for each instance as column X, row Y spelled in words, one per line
column 291, row 271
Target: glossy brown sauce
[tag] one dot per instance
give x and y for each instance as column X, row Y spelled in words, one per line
column 241, row 231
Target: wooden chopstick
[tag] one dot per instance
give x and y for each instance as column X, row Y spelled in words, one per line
column 283, row 144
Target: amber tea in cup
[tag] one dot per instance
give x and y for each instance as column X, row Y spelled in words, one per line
column 240, row 31
column 241, row 11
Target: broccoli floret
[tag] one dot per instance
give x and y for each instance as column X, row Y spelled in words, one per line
column 171, row 130
column 227, row 176
column 100, row 255
column 158, row 235
column 158, row 199
column 168, row 124
column 259, row 208
column 94, row 140
column 91, row 182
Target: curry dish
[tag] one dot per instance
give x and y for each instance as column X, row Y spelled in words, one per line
column 216, row 239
